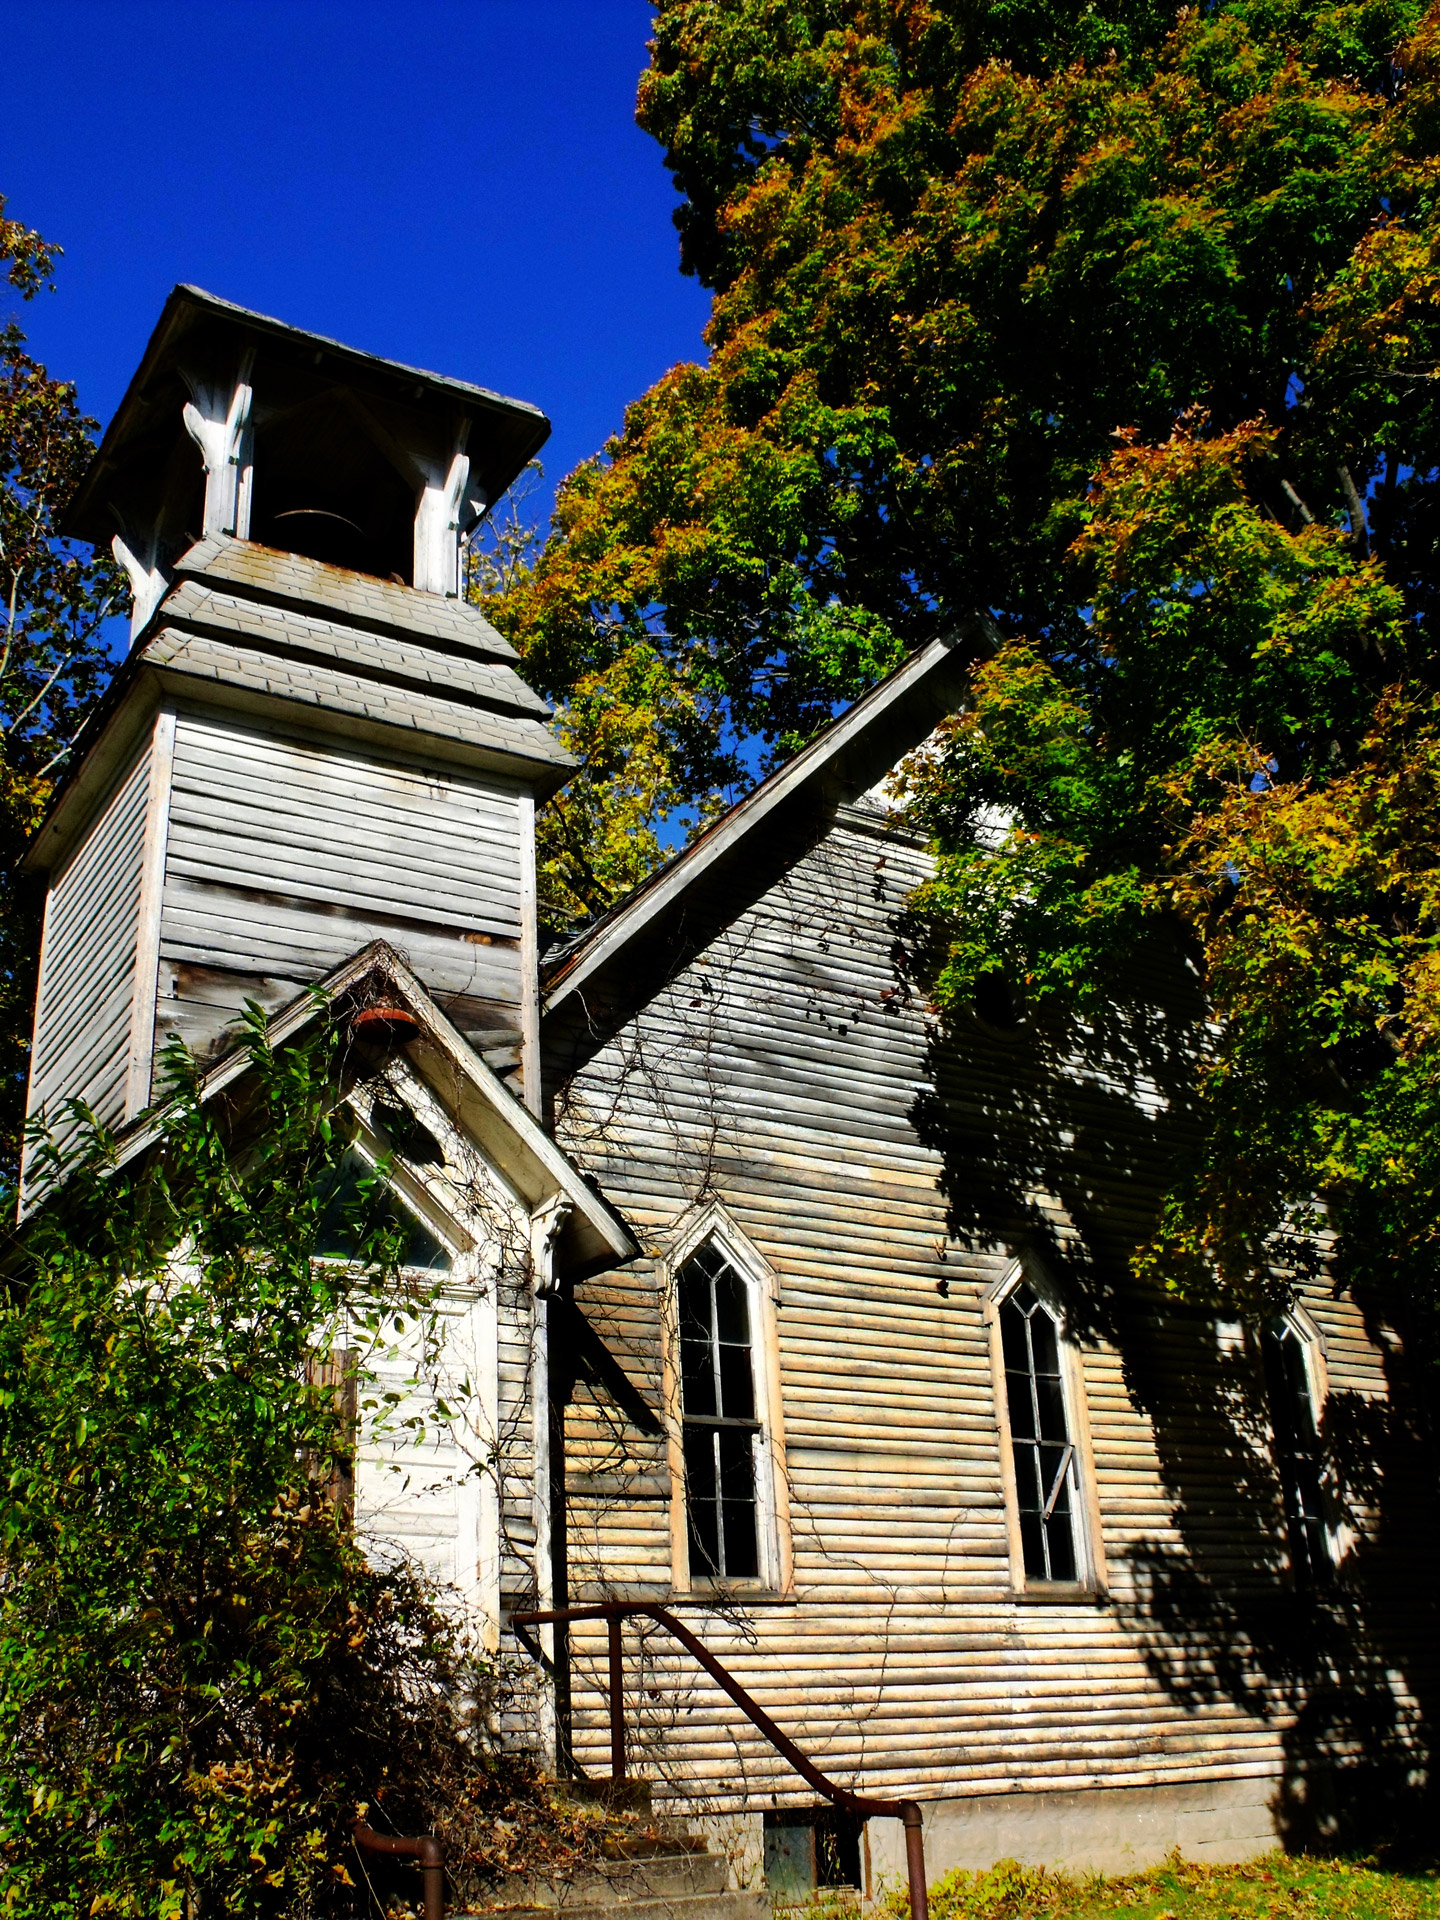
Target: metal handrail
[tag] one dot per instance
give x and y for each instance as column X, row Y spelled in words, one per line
column 615, row 1612
column 425, row 1849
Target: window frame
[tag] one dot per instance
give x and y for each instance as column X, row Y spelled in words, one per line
column 1090, row 1576
column 411, row 1188
column 1311, row 1341
column 772, row 1507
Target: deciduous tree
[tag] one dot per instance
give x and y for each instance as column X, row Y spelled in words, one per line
column 1119, row 321
column 54, row 660
column 203, row 1678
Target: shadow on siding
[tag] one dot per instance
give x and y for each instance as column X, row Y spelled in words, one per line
column 1057, row 1143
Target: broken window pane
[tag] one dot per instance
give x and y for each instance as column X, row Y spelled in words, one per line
column 1041, row 1447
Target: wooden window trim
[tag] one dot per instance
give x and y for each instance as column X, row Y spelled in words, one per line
column 431, row 1203
column 1337, row 1536
column 777, row 1570
column 1091, row 1583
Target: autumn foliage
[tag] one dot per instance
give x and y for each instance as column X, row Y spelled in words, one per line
column 1118, row 321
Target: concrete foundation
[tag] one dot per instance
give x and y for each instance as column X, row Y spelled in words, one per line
column 1101, row 1830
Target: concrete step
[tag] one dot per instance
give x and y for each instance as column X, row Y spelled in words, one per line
column 620, row 1796
column 679, row 1906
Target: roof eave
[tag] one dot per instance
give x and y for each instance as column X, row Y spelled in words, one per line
column 955, row 652
column 81, row 520
column 594, row 1240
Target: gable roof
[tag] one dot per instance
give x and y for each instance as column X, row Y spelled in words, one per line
column 843, row 762
column 593, row 1237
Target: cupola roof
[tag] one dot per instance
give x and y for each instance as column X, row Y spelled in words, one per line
column 201, row 339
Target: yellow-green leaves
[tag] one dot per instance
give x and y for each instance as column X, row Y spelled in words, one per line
column 954, row 252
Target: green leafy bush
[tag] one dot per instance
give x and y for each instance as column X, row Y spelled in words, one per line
column 202, row 1680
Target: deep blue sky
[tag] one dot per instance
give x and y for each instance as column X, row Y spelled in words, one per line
column 458, row 186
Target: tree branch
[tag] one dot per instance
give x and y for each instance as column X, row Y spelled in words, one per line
column 1359, row 525
column 56, row 758
column 25, row 711
column 1296, row 502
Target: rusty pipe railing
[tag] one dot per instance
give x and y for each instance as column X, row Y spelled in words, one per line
column 616, row 1612
column 425, row 1850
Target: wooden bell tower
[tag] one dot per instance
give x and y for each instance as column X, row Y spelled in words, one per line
column 314, row 742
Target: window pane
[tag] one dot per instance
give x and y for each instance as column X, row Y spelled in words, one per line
column 697, row 1383
column 737, row 1464
column 1059, row 1528
column 732, row 1309
column 1051, row 1398
column 1060, row 1544
column 357, row 1205
column 1033, row 1539
column 1012, row 1330
column 694, row 1291
column 1027, row 1479
column 737, row 1384
column 737, row 1488
column 701, row 1501
column 422, row 1249
column 1018, row 1392
column 1043, row 1343
column 697, row 1350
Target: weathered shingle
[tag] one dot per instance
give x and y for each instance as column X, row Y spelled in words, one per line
column 467, row 676
column 356, row 597
column 208, row 657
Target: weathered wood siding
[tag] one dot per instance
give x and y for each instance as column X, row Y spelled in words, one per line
column 456, row 1490
column 515, row 1450
column 87, row 971
column 286, row 856
column 782, row 1073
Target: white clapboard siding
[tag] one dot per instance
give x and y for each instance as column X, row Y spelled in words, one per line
column 284, row 858
column 782, row 1074
column 421, row 1479
column 256, row 811
column 87, row 969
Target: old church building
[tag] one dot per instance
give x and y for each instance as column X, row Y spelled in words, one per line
column 767, row 1299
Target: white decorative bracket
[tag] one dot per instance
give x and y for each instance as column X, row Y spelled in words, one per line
column 545, row 1225
column 218, row 421
column 147, row 579
column 449, row 507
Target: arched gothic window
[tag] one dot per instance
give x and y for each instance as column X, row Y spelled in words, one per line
column 1292, row 1392
column 1041, row 1441
column 720, row 1404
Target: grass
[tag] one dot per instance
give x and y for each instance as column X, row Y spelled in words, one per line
column 1301, row 1888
